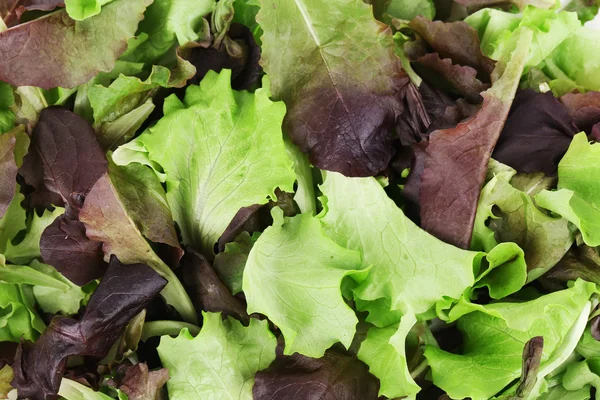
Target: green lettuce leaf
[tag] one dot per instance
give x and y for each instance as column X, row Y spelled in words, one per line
column 229, row 264
column 582, row 375
column 293, row 276
column 576, row 62
column 411, row 268
column 228, row 153
column 52, row 300
column 83, row 9
column 245, row 14
column 497, row 29
column 507, row 214
column 72, row 390
column 220, row 362
column 18, row 318
column 7, row 117
column 166, row 23
column 384, row 352
column 495, row 335
column 6, row 376
column 407, row 9
column 28, row 247
column 13, row 221
column 586, row 10
column 578, row 197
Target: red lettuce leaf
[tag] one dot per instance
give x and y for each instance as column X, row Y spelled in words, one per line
column 335, row 376
column 11, row 10
column 456, row 41
column 537, row 133
column 456, row 159
column 65, row 246
column 462, row 79
column 206, row 290
column 584, row 109
column 141, row 384
column 64, row 160
column 124, row 291
column 10, row 148
column 57, row 51
column 244, row 66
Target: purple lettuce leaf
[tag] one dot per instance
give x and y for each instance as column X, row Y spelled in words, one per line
column 124, row 291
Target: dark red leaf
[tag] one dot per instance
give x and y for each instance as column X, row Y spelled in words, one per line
column 335, row 376
column 65, row 246
column 456, row 41
column 64, row 160
column 244, row 65
column 124, row 291
column 462, row 79
column 537, row 133
column 206, row 290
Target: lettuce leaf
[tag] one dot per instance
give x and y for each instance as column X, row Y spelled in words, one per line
column 343, row 117
column 55, row 50
column 578, row 195
column 82, row 9
column 13, row 146
column 117, row 214
column 124, row 291
column 467, row 148
column 506, row 214
column 293, row 276
column 494, row 338
column 206, row 188
column 165, row 24
column 220, row 362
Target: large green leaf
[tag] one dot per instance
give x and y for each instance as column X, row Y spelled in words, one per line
column 293, row 276
column 220, row 362
column 220, row 150
column 578, row 197
column 577, row 59
column 495, row 335
column 411, row 268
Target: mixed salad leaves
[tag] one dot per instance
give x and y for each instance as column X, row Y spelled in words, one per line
column 299, row 199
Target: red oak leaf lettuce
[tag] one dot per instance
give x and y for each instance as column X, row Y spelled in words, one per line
column 456, row 159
